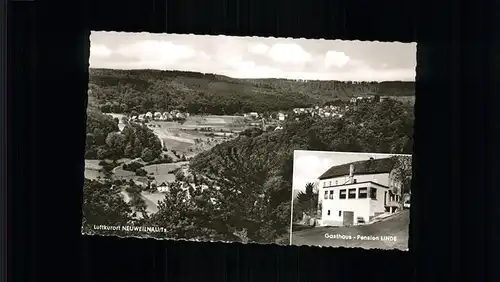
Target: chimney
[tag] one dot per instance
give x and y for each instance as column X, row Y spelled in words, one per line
column 351, row 173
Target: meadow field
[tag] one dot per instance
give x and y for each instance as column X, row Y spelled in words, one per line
column 197, row 133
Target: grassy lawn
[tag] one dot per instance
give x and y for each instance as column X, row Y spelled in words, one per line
column 163, row 168
column 92, row 164
column 397, row 225
column 92, row 169
column 177, row 145
column 152, row 200
column 93, row 174
column 120, row 172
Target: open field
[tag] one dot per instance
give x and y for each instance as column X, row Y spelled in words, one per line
column 151, row 206
column 92, row 169
column 119, row 172
column 153, row 198
column 396, row 225
column 92, row 164
column 176, row 145
column 149, row 199
column 190, row 138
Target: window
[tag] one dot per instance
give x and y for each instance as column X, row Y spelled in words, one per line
column 324, row 184
column 340, row 213
column 342, row 194
column 326, row 195
column 329, row 183
column 331, row 194
column 373, row 193
column 362, row 193
column 336, row 182
column 352, row 194
column 328, row 212
column 354, row 181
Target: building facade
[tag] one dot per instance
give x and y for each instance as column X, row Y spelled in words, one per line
column 355, row 193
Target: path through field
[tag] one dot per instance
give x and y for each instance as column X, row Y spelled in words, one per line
column 397, row 225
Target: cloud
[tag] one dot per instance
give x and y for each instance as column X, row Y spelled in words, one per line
column 152, row 50
column 336, row 59
column 100, row 50
column 258, row 49
column 255, row 57
column 289, row 53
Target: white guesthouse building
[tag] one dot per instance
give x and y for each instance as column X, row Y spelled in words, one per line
column 354, row 193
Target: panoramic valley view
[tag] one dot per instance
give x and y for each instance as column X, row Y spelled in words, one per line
column 206, row 156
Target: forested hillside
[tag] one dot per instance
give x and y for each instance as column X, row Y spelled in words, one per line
column 153, row 90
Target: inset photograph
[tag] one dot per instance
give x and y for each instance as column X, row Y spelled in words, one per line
column 344, row 199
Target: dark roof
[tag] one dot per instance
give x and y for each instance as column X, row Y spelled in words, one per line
column 360, row 167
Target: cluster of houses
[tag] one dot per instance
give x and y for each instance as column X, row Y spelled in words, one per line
column 368, row 98
column 165, row 116
column 254, row 115
column 320, row 111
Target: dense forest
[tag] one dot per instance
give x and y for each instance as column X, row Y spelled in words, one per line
column 123, row 91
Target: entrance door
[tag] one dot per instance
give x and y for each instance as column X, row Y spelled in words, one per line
column 348, row 218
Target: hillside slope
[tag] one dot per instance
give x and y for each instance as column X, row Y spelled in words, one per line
column 148, row 90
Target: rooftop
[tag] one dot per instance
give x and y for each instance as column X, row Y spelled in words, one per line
column 370, row 166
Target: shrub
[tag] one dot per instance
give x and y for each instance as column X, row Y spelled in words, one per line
column 133, row 166
column 133, row 189
column 141, row 172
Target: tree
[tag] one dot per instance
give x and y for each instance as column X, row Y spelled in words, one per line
column 147, row 155
column 402, row 174
column 141, row 172
column 189, row 213
column 307, row 201
column 116, row 142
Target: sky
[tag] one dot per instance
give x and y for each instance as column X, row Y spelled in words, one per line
column 255, row 57
column 309, row 165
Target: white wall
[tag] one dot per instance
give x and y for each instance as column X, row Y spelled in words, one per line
column 378, row 205
column 360, row 207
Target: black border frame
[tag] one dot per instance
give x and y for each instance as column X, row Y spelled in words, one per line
column 453, row 132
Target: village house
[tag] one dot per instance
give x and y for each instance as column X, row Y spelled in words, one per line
column 355, row 193
column 149, row 115
column 141, row 117
column 281, row 116
column 157, row 115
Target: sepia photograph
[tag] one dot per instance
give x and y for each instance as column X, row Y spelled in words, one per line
column 200, row 137
column 344, row 199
